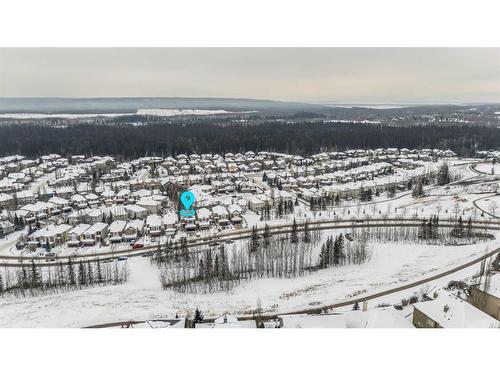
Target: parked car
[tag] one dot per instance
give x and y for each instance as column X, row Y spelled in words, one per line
column 122, row 258
column 137, row 245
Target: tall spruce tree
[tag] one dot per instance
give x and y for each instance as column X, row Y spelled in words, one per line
column 266, row 236
column 294, row 235
column 100, row 278
column 90, row 273
column 307, row 233
column 35, row 278
column 71, row 272
column 82, row 275
column 254, row 240
column 198, row 316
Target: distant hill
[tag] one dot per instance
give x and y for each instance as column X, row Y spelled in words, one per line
column 128, row 105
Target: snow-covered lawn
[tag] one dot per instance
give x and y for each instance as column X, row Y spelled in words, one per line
column 143, row 298
column 488, row 167
column 490, row 204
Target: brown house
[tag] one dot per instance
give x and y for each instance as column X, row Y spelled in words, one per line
column 450, row 311
column 486, row 296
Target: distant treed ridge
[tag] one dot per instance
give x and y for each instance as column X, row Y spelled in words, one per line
column 127, row 141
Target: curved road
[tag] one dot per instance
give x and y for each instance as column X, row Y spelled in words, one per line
column 17, row 261
column 349, row 302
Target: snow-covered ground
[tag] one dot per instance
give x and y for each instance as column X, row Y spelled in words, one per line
column 182, row 112
column 488, row 167
column 143, row 298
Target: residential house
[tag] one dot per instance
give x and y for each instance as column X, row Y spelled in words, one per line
column 6, row 201
column 151, row 205
column 204, row 216
column 116, row 230
column 154, row 225
column 78, row 201
column 75, row 235
column 170, row 222
column 450, row 311
column 133, row 230
column 136, row 212
column 255, row 204
column 95, row 234
column 486, row 296
column 220, row 215
column 312, row 321
column 6, row 227
column 94, row 216
column 228, row 321
column 49, row 237
column 235, row 212
column 25, row 197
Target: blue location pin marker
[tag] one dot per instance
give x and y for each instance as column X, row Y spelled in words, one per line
column 187, row 200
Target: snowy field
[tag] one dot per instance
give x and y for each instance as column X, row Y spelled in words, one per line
column 489, row 168
column 145, row 112
column 143, row 298
column 182, row 112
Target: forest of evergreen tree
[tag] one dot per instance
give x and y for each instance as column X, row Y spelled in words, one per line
column 126, row 141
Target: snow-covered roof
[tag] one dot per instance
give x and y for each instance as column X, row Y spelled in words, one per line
column 135, row 208
column 450, row 311
column 153, row 220
column 117, row 226
column 58, row 201
column 203, row 213
column 228, row 321
column 5, row 197
column 51, row 231
column 313, row 321
column 136, row 224
column 219, row 210
column 79, row 229
column 97, row 227
column 377, row 318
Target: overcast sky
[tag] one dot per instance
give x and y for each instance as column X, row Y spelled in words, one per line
column 362, row 75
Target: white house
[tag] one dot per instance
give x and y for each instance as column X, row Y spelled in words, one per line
column 133, row 230
column 204, row 216
column 136, row 212
column 154, row 225
column 79, row 201
column 51, row 235
column 312, row 321
column 228, row 321
column 75, row 235
column 220, row 214
column 170, row 222
column 95, row 234
column 151, row 205
column 235, row 212
column 116, row 231
column 255, row 204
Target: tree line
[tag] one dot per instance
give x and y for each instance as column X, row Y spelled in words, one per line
column 33, row 280
column 127, row 141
